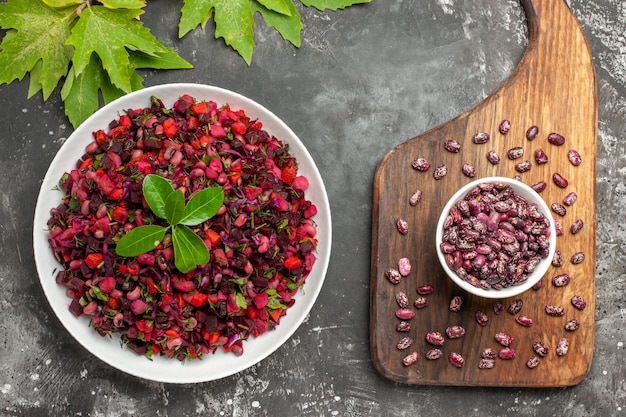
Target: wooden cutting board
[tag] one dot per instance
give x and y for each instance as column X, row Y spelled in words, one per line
column 554, row 88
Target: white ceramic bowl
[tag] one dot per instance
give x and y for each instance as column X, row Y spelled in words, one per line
column 162, row 369
column 531, row 196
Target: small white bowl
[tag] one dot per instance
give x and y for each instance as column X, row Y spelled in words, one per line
column 531, row 196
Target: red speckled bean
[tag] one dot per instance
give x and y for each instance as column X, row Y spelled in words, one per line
column 452, row 145
column 574, row 157
column 556, row 139
column 505, row 126
column 506, row 353
column 410, row 359
column 480, row 138
column 559, row 180
column 435, row 338
column 421, row 164
column 532, row 132
column 402, row 226
column 433, row 354
column 456, row 359
column 405, row 313
column 454, row 332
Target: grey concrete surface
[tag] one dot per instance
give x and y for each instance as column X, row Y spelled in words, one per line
column 364, row 80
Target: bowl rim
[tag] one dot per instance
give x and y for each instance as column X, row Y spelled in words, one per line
column 541, row 268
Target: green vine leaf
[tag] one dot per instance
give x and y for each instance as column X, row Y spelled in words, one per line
column 36, row 36
column 124, row 4
column 332, row 4
column 288, row 25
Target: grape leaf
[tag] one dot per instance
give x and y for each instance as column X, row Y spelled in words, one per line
column 140, row 240
column 109, row 33
column 124, row 4
column 289, row 26
column 37, row 33
column 233, row 22
column 189, row 249
column 279, row 6
column 332, row 4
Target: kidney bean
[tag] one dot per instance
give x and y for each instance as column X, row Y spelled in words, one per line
column 557, row 259
column 574, row 157
column 416, row 197
column 403, row 326
column 481, row 318
column 562, row 347
column 556, row 139
column 515, row 152
column 480, row 138
column 493, row 157
column 576, row 226
column 404, row 266
column 440, row 172
column 572, row 325
column 558, row 227
column 533, row 362
column 579, row 302
column 498, row 308
column 468, row 170
column 561, row 280
column 505, row 126
column 559, row 180
column 420, row 302
column 524, row 321
column 504, row 339
column 540, row 156
column 454, row 332
column 410, row 359
column 559, row 209
column 456, row 303
column 452, row 145
column 393, row 275
column 404, row 343
column 489, row 353
column 435, row 338
column 577, row 258
column 538, row 285
column 540, row 348
column 486, row 363
column 515, row 306
column 402, row 226
column 554, row 311
column 506, row 353
column 402, row 299
column 433, row 354
column 539, row 186
column 524, row 166
column 425, row 289
column 570, row 198
column 421, row 164
column 532, row 132
column 456, row 359
column 405, row 313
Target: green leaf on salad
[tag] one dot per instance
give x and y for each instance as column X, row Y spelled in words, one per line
column 156, row 191
column 35, row 39
column 175, row 207
column 189, row 250
column 202, row 206
column 140, row 240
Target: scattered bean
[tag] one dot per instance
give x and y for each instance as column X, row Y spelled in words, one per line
column 425, row 289
column 404, row 266
column 572, row 325
column 456, row 303
column 415, row 198
column 506, row 353
column 505, row 126
column 560, row 280
column 554, row 311
column 440, row 172
column 515, row 306
column 402, row 226
column 524, row 166
column 403, row 326
column 539, row 186
column 480, row 138
column 420, row 302
column 498, row 308
column 562, row 347
column 454, row 332
column 404, row 343
column 533, row 362
column 538, row 285
column 485, row 363
column 574, row 157
column 524, row 321
column 541, row 348
column 456, row 359
column 468, row 170
column 393, row 275
column 559, row 180
column 493, row 157
column 577, row 258
column 559, row 209
column 504, row 339
column 556, row 139
column 433, row 354
column 576, row 226
column 421, row 164
column 452, row 145
column 558, row 227
column 570, row 198
column 540, row 156
column 410, row 359
column 579, row 302
column 515, row 152
column 489, row 353
column 532, row 132
column 402, row 299
column 435, row 338
column 405, row 313
column 481, row 318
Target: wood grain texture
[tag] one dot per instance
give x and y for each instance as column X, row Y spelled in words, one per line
column 553, row 87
